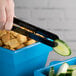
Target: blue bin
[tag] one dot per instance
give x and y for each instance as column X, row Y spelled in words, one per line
column 56, row 65
column 24, row 61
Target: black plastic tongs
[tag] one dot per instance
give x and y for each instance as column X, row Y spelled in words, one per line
column 46, row 37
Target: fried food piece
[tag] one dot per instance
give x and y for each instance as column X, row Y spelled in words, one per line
column 21, row 38
column 12, row 36
column 14, row 33
column 13, row 43
column 12, row 49
column 2, row 32
column 20, row 46
column 6, row 38
column 7, row 47
column 1, row 43
column 10, row 40
column 31, row 41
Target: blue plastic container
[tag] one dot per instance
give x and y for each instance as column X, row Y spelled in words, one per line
column 25, row 61
column 56, row 65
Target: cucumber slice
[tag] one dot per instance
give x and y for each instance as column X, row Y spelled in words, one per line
column 69, row 73
column 72, row 67
column 51, row 73
column 62, row 74
column 74, row 73
column 63, row 69
column 62, row 48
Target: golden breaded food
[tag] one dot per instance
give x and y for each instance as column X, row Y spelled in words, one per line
column 31, row 41
column 1, row 43
column 2, row 32
column 13, row 43
column 6, row 38
column 12, row 36
column 12, row 49
column 7, row 47
column 20, row 46
column 21, row 38
column 14, row 33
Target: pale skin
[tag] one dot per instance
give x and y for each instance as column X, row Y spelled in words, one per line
column 6, row 14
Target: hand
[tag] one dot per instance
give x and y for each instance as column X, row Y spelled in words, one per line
column 6, row 14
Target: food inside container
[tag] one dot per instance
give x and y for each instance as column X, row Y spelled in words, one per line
column 13, row 41
column 64, row 70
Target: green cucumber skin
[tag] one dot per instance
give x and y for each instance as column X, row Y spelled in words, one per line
column 64, row 55
column 66, row 46
column 69, row 73
column 62, row 74
column 51, row 73
column 69, row 70
column 66, row 74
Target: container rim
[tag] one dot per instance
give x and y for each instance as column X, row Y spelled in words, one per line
column 42, row 69
column 19, row 50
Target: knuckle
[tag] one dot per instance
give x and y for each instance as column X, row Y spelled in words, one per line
column 10, row 18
